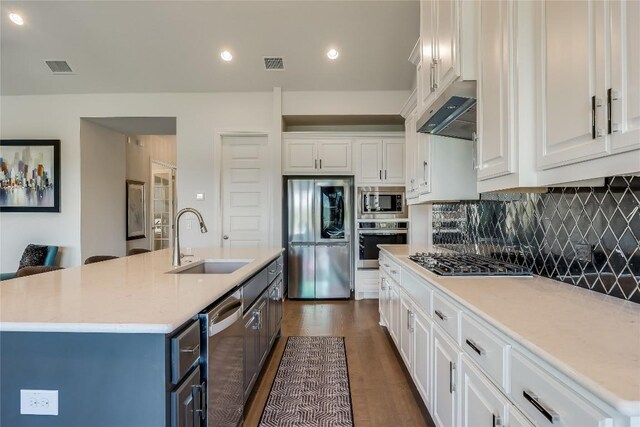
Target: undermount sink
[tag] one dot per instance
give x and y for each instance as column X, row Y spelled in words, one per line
column 213, row 266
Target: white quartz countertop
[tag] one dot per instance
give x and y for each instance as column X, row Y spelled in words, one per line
column 591, row 337
column 131, row 294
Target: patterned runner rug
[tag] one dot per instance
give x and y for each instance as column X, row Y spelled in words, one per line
column 311, row 388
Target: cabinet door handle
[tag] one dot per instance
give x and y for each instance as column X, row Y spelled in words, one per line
column 435, row 73
column 452, row 367
column 593, row 117
column 385, row 174
column 547, row 412
column 475, row 347
column 431, row 81
column 315, row 164
column 191, row 350
column 609, row 111
column 380, row 174
column 412, row 321
column 497, row 422
column 440, row 315
column 474, row 152
column 408, row 319
column 320, row 163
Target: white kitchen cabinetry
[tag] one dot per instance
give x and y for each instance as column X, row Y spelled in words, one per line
column 573, row 86
column 445, row 371
column 406, row 332
column 481, row 403
column 316, row 156
column 506, row 143
column 380, row 161
column 623, row 95
column 394, row 313
column 383, row 299
column 422, row 342
column 444, row 169
column 448, row 47
column 589, row 89
column 411, row 141
column 470, row 373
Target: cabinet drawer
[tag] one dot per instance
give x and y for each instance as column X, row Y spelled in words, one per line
column 185, row 351
column 548, row 402
column 447, row 315
column 486, row 349
column 393, row 270
column 418, row 290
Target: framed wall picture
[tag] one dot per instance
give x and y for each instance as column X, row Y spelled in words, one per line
column 30, row 175
column 136, row 210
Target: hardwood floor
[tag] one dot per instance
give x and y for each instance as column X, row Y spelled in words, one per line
column 381, row 392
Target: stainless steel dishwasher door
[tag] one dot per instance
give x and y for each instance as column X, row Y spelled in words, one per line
column 225, row 362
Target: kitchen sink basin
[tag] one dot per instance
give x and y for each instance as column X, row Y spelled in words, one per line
column 213, row 266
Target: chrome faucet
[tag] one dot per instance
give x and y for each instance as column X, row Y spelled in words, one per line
column 177, row 256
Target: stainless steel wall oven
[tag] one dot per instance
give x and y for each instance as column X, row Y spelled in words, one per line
column 372, row 234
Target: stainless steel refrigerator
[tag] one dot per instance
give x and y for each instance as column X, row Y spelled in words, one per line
column 319, row 238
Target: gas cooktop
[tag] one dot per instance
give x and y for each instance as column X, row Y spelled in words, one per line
column 467, row 265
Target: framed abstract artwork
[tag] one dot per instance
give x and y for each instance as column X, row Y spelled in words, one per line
column 136, row 210
column 30, row 175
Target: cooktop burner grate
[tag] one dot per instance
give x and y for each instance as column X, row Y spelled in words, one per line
column 467, row 265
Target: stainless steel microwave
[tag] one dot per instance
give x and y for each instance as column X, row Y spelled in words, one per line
column 381, row 203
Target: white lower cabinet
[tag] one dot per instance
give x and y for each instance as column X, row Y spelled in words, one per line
column 547, row 401
column 383, row 299
column 445, row 370
column 422, row 342
column 406, row 332
column 481, row 403
column 470, row 373
column 394, row 313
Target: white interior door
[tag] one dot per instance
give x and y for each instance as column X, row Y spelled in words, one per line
column 246, row 203
column 163, row 206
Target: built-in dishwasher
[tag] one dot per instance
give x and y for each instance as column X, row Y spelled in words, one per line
column 223, row 356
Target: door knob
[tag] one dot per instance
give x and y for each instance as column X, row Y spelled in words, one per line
column 225, row 237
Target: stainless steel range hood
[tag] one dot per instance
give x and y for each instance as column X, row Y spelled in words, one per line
column 453, row 114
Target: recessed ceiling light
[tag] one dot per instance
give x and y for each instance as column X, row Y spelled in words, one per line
column 333, row 54
column 226, row 55
column 16, row 19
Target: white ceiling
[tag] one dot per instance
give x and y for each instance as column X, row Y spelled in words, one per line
column 174, row 46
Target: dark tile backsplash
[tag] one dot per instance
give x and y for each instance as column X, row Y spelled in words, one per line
column 589, row 237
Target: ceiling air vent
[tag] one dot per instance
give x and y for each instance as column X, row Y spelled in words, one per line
column 273, row 63
column 59, row 67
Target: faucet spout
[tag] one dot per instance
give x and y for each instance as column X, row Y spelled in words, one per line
column 177, row 257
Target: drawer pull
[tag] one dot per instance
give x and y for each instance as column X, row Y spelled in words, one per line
column 548, row 413
column 497, row 422
column 386, row 265
column 452, row 367
column 475, row 347
column 191, row 350
column 440, row 315
column 394, row 271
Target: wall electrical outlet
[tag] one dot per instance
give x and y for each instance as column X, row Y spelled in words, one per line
column 584, row 252
column 39, row 402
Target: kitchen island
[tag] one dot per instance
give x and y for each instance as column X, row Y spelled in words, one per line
column 100, row 334
column 579, row 350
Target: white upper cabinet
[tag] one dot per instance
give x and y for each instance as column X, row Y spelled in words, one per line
column 444, row 169
column 494, row 78
column 573, row 82
column 426, row 67
column 334, row 155
column 506, row 143
column 380, row 161
column 448, row 47
column 411, row 140
column 623, row 95
column 316, row 156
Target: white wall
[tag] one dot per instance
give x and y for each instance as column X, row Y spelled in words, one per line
column 102, row 153
column 140, row 151
column 199, row 118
